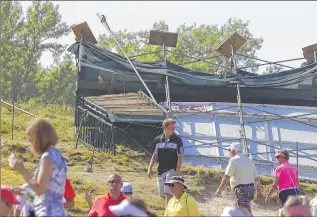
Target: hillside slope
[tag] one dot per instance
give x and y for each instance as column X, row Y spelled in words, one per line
column 132, row 165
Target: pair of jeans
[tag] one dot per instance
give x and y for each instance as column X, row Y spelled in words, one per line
column 283, row 194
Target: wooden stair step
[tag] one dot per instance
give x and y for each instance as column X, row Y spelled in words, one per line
column 141, row 113
column 133, row 102
column 114, row 96
column 130, row 106
column 134, row 110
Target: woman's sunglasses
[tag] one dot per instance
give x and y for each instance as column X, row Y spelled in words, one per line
column 171, row 185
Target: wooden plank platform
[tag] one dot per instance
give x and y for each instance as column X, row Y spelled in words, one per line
column 126, row 104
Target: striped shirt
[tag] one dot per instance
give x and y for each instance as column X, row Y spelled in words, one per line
column 167, row 151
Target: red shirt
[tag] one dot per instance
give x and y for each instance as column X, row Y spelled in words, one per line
column 69, row 191
column 101, row 205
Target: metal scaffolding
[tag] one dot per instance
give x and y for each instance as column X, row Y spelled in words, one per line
column 229, row 49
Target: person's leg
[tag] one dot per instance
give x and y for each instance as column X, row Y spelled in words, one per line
column 290, row 192
column 283, row 195
column 160, row 184
column 167, row 190
column 244, row 195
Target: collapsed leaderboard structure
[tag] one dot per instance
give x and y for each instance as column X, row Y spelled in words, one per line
column 124, row 101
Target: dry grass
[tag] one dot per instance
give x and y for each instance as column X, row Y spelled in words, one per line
column 130, row 164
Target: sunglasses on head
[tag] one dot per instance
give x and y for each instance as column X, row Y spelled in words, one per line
column 115, row 181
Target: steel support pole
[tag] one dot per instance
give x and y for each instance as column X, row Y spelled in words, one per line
column 167, row 89
column 240, row 109
column 297, row 159
column 0, row 138
column 105, row 24
column 13, row 111
column 83, row 117
column 242, row 132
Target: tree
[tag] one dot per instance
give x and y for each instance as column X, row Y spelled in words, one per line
column 58, row 84
column 11, row 25
column 194, row 43
column 272, row 68
column 23, row 46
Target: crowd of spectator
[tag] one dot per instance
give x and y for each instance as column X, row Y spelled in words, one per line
column 49, row 193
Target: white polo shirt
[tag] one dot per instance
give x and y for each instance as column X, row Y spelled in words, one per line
column 241, row 170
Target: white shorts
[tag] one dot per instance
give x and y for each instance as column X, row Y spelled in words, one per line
column 161, row 179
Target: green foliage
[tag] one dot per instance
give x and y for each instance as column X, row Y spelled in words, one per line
column 194, row 42
column 273, row 69
column 23, row 39
column 58, row 83
column 25, row 35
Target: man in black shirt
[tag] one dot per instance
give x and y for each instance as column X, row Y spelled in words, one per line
column 168, row 151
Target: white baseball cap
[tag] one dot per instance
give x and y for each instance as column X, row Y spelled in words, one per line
column 235, row 146
column 125, row 208
column 127, row 188
column 233, row 212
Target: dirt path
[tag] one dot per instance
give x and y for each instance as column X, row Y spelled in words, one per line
column 208, row 205
column 216, row 205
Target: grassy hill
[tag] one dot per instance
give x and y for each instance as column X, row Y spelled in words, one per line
column 130, row 164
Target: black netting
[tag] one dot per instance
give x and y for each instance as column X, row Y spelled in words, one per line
column 144, row 133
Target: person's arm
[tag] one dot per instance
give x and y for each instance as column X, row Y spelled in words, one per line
column 69, row 195
column 230, row 170
column 88, row 198
column 18, row 208
column 22, row 199
column 70, row 203
column 273, row 188
column 257, row 183
column 224, row 182
column 277, row 174
column 258, row 188
column 180, row 150
column 153, row 160
column 192, row 207
column 17, row 212
column 40, row 184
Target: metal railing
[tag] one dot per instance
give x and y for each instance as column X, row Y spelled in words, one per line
column 94, row 131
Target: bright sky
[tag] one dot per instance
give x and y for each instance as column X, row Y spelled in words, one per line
column 286, row 27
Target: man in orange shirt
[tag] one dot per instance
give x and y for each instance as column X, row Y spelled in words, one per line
column 114, row 197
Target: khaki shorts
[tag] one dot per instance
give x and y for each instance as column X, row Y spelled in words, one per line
column 161, row 179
